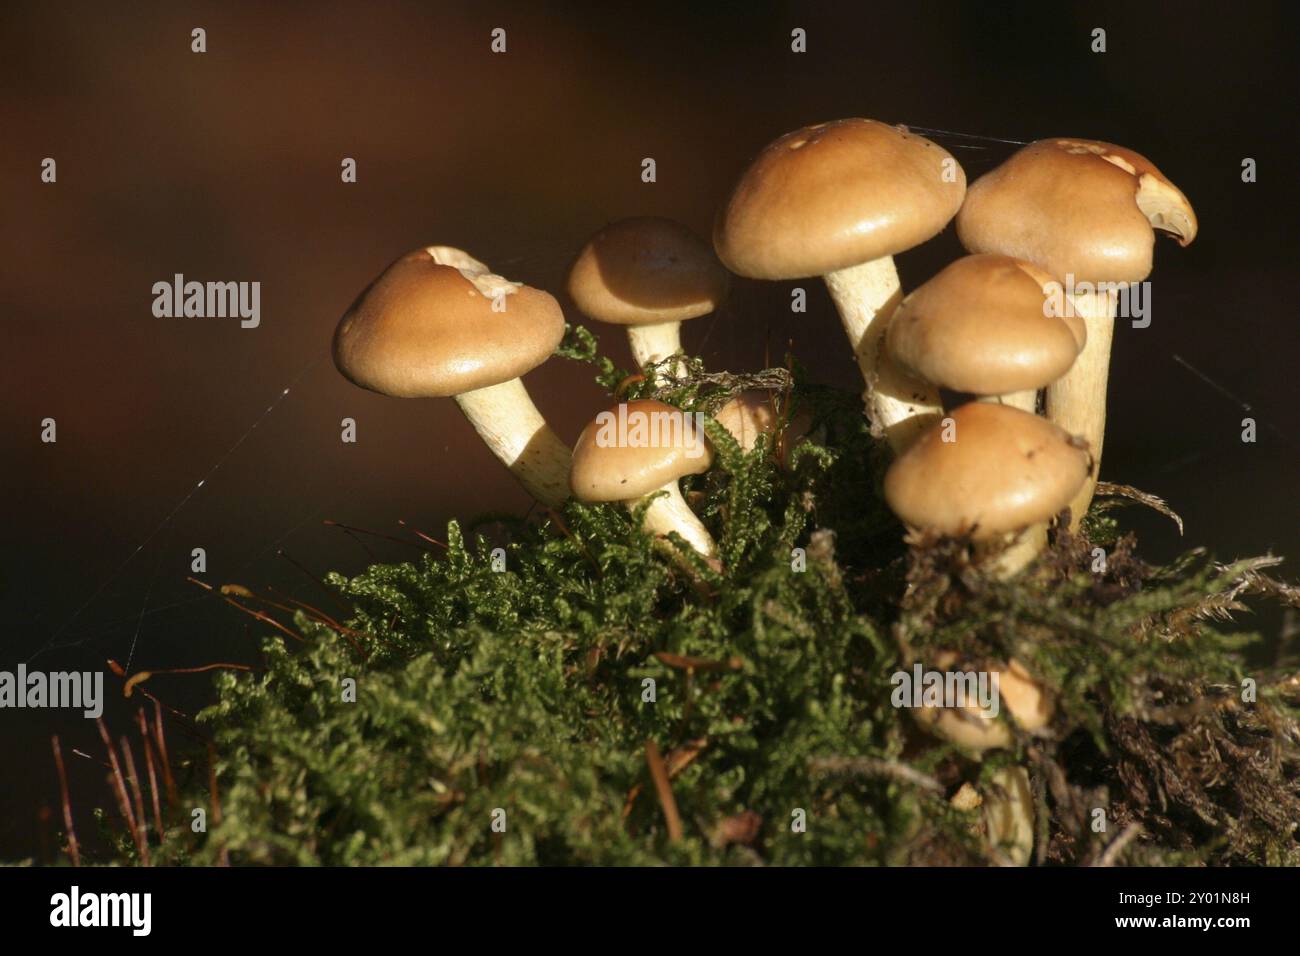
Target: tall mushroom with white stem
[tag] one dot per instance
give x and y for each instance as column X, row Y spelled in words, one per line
column 840, row 200
column 438, row 323
column 981, row 327
column 651, row 275
column 1087, row 212
column 638, row 449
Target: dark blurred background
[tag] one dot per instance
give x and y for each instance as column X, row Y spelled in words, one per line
column 225, row 166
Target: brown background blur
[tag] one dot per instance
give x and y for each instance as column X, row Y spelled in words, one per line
column 225, row 166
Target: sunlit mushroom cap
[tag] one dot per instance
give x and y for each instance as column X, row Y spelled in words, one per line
column 835, row 195
column 1005, row 470
column 635, row 448
column 984, row 325
column 647, row 270
column 1076, row 207
column 426, row 328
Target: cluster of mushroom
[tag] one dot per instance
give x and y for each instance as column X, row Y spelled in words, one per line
column 1054, row 231
column 953, row 373
column 439, row 323
column 1080, row 218
column 992, row 469
column 837, row 200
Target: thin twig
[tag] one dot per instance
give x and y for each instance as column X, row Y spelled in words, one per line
column 676, row 761
column 424, row 537
column 352, row 635
column 142, row 825
column 665, row 790
column 160, row 737
column 74, row 852
column 248, row 610
column 143, row 723
column 345, row 608
column 870, row 767
column 139, row 677
column 1118, row 845
column 309, row 608
column 182, row 718
column 119, row 785
column 350, row 530
column 319, row 617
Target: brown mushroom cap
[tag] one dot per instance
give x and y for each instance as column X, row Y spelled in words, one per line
column 426, row 328
column 750, row 414
column 835, row 195
column 983, row 325
column 1005, row 470
column 1026, row 700
column 644, row 271
column 612, row 466
column 746, row 416
column 1076, row 207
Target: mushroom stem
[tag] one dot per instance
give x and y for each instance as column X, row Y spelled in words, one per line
column 1026, row 400
column 672, row 513
column 655, row 342
column 1009, row 815
column 1022, row 550
column 511, row 426
column 898, row 406
column 1077, row 401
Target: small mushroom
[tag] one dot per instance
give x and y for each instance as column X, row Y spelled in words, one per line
column 1006, row 800
column 438, row 323
column 1019, row 695
column 651, row 275
column 984, row 326
column 1088, row 210
column 637, row 449
column 839, row 200
column 1003, row 475
column 752, row 413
